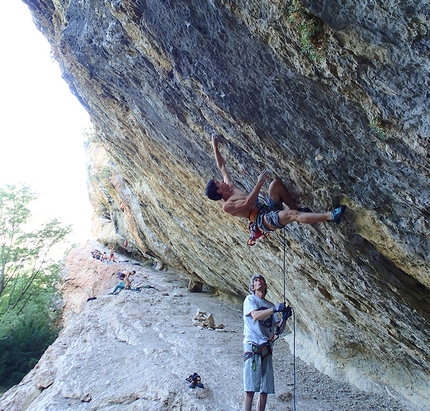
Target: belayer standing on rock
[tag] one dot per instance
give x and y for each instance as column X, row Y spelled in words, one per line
column 260, row 320
column 267, row 217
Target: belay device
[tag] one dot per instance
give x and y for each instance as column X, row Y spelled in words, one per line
column 281, row 327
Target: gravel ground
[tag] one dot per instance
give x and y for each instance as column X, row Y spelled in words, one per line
column 152, row 334
column 314, row 390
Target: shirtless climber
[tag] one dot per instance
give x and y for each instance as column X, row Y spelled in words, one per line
column 267, row 218
column 127, row 280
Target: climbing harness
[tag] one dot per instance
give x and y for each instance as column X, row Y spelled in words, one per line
column 254, row 232
column 263, row 350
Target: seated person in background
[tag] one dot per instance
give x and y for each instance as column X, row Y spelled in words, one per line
column 96, row 254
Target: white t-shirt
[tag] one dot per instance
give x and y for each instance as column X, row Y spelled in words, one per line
column 254, row 331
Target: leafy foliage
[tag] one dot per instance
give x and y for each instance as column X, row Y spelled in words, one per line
column 310, row 29
column 28, row 284
column 23, row 340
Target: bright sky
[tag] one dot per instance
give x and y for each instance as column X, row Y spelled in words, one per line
column 41, row 123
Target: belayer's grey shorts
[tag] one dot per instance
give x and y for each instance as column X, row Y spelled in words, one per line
column 258, row 373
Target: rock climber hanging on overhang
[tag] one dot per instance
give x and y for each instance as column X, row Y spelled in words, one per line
column 266, row 217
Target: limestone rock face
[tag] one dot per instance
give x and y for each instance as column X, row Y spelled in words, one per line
column 331, row 96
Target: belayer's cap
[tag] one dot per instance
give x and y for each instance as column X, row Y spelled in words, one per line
column 251, row 285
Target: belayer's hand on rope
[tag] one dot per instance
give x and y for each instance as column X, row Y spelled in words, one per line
column 279, row 308
column 287, row 312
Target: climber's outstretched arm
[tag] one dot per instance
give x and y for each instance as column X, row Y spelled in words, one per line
column 220, row 160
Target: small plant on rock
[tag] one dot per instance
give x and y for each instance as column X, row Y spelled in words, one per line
column 375, row 125
column 309, row 27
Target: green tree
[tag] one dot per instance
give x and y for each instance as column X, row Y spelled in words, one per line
column 23, row 340
column 28, row 283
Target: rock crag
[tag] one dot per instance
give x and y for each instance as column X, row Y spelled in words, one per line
column 332, row 96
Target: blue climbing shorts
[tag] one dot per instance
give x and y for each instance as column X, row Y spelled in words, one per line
column 258, row 373
column 267, row 219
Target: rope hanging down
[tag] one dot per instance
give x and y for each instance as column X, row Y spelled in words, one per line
column 292, row 312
